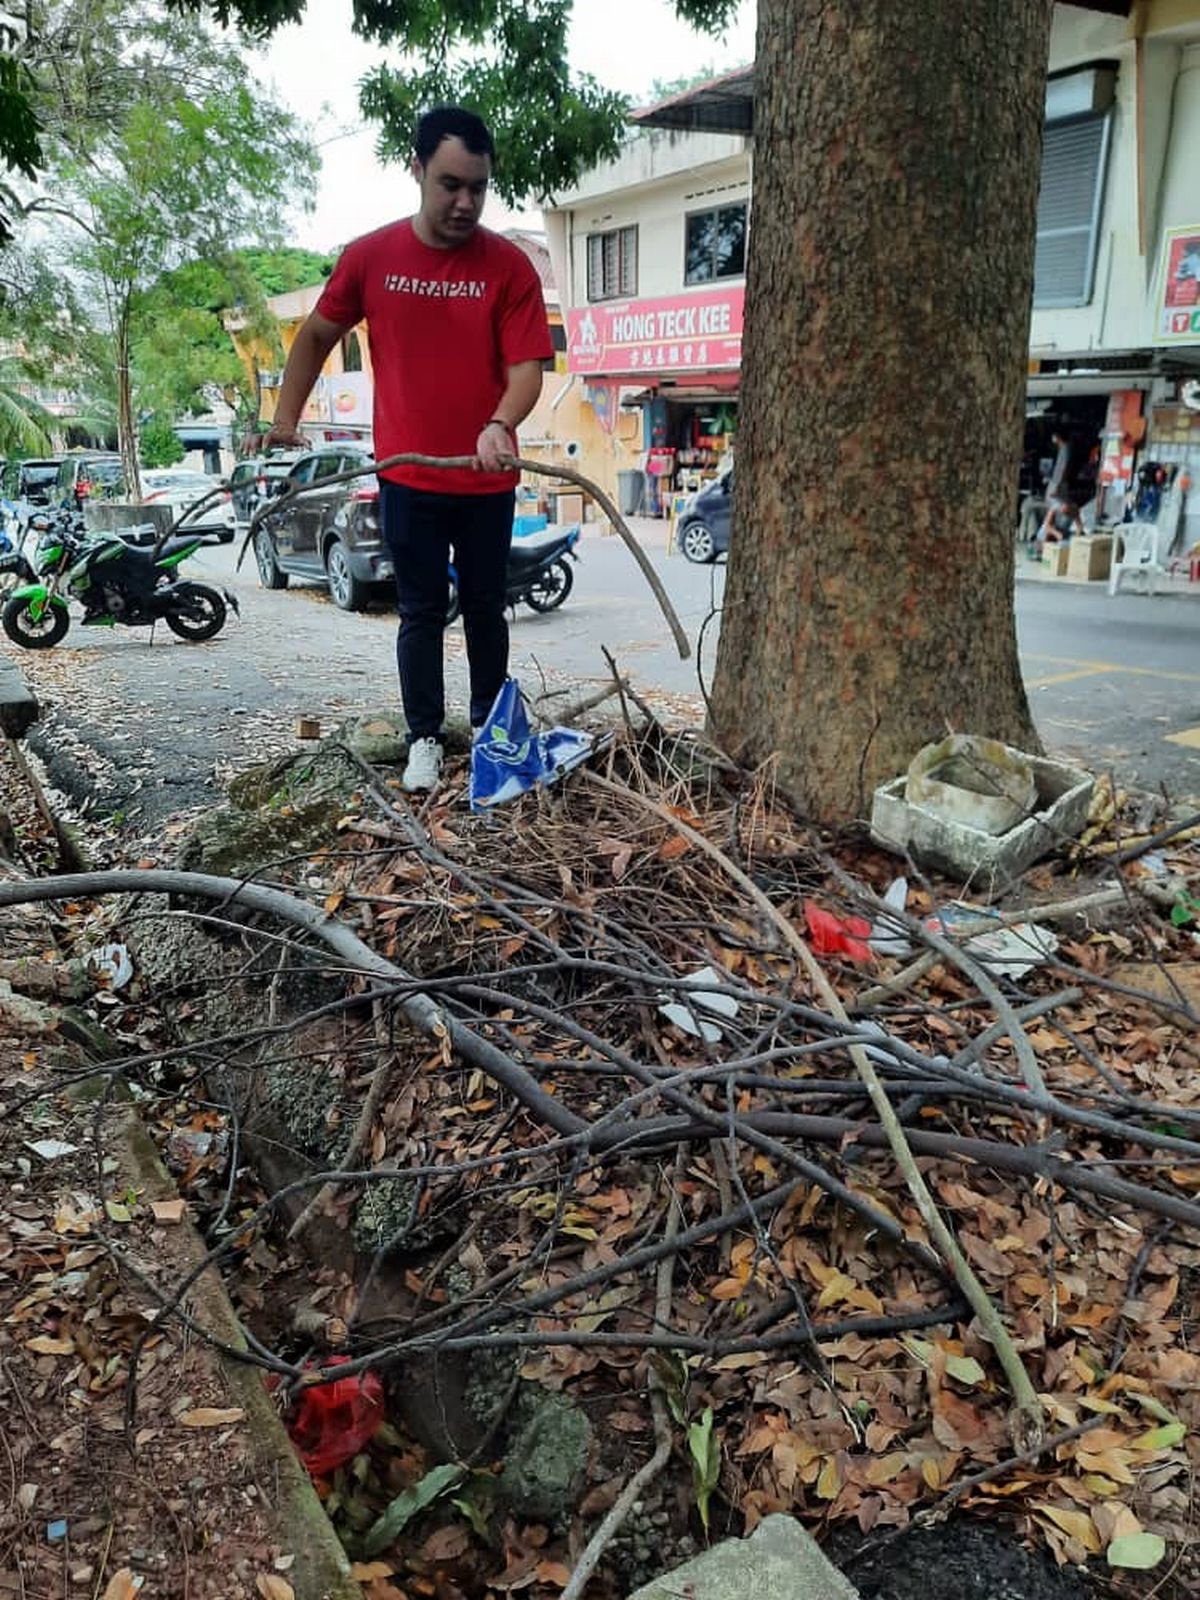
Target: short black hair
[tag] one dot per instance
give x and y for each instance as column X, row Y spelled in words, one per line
column 451, row 122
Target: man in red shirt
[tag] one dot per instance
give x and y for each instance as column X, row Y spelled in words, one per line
column 458, row 333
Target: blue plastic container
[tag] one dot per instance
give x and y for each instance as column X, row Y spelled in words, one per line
column 528, row 524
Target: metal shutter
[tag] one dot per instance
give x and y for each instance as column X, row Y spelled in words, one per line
column 1069, row 206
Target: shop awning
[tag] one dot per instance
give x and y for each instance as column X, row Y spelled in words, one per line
column 717, row 386
column 1047, row 385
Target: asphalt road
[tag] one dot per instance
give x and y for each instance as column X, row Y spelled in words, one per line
column 148, row 728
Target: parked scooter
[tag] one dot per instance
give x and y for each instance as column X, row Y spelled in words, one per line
column 14, row 565
column 115, row 582
column 538, row 575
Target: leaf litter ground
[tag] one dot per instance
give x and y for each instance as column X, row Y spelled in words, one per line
column 847, row 1381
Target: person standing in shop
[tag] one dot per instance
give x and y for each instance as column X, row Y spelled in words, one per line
column 458, row 334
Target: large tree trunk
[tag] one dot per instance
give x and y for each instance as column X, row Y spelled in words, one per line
column 869, row 603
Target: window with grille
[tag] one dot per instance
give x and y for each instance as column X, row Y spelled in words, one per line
column 715, row 244
column 1070, row 202
column 612, row 264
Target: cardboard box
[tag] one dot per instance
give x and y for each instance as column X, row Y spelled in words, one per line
column 1056, row 557
column 569, row 508
column 1090, row 557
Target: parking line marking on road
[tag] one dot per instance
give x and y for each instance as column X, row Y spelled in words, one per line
column 1110, row 666
column 1065, row 677
column 1186, row 736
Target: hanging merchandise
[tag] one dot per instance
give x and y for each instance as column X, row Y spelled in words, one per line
column 507, row 759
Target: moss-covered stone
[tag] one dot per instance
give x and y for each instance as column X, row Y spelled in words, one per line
column 275, row 812
column 546, row 1457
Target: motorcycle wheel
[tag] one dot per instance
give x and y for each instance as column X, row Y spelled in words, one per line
column 34, row 633
column 550, row 588
column 204, row 618
column 453, row 604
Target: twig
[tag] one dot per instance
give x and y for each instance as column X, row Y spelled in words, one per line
column 624, row 1503
column 907, row 976
column 1189, row 828
column 1028, row 1419
column 517, row 463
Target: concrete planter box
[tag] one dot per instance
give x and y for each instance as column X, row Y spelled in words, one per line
column 1063, row 796
column 139, row 523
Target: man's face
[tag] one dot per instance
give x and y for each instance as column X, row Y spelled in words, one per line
column 453, row 185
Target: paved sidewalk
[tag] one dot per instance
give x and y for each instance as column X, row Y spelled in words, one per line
column 1029, row 571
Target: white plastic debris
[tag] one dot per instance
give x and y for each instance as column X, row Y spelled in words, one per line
column 703, row 999
column 689, row 1023
column 886, row 938
column 1009, row 951
column 51, row 1149
column 111, row 961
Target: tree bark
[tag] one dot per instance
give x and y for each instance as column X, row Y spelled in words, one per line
column 127, row 438
column 869, row 603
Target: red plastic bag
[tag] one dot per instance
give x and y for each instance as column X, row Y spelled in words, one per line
column 331, row 1422
column 837, row 936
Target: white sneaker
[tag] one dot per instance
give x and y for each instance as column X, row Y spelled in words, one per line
column 424, row 765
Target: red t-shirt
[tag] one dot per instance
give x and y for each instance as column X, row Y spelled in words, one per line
column 444, row 327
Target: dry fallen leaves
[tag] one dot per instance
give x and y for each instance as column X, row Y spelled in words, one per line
column 272, row 1587
column 212, row 1416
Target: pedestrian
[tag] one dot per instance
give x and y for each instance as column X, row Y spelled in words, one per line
column 458, row 334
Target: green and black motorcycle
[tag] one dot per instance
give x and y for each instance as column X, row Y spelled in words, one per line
column 116, row 582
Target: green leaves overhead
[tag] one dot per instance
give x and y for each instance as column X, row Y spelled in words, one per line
column 548, row 125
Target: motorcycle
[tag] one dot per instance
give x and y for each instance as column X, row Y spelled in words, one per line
column 114, row 580
column 538, row 575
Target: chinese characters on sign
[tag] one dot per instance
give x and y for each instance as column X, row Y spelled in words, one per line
column 687, row 333
column 1177, row 314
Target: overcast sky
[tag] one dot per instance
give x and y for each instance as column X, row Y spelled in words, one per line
column 315, row 66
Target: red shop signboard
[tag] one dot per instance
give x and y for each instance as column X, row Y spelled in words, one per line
column 683, row 333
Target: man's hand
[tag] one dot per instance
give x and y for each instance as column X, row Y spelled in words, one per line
column 493, row 448
column 283, row 436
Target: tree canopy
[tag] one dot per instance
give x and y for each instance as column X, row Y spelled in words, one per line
column 508, row 61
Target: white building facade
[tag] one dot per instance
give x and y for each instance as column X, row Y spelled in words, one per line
column 649, row 253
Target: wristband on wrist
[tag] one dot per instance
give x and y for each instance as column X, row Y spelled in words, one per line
column 499, row 422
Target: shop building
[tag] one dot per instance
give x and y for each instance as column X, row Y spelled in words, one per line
column 649, row 253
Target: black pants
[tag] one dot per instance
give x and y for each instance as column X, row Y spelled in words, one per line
column 419, row 529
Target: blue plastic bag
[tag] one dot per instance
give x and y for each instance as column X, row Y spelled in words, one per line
column 507, row 759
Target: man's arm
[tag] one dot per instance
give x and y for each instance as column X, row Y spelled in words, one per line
column 310, row 347
column 497, row 438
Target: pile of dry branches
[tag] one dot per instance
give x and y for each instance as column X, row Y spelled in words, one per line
column 929, row 1224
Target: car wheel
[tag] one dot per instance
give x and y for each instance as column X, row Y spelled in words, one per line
column 345, row 590
column 270, row 574
column 697, row 543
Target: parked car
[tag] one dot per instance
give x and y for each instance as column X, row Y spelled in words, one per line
column 88, row 475
column 331, row 535
column 702, row 532
column 257, row 478
column 179, row 488
column 32, row 482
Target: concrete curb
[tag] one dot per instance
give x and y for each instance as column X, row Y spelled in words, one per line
column 322, row 1569
column 18, row 708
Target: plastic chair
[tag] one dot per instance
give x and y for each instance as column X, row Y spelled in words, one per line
column 1139, row 549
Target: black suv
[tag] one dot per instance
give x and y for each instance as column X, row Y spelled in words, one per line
column 88, row 475
column 328, row 534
